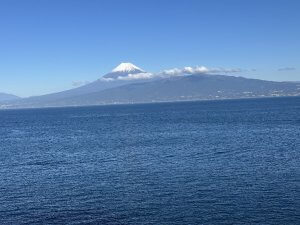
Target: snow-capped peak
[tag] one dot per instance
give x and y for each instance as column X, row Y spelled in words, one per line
column 126, row 67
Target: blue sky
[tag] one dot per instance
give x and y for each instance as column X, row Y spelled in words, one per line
column 47, row 45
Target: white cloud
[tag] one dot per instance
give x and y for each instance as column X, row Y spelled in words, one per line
column 107, row 79
column 185, row 71
column 175, row 72
column 197, row 70
column 137, row 76
column 172, row 72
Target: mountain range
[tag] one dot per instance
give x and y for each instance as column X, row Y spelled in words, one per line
column 128, row 83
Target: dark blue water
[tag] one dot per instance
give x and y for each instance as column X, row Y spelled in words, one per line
column 216, row 162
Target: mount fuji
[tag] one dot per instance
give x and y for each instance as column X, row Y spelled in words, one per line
column 123, row 70
column 110, row 80
column 128, row 83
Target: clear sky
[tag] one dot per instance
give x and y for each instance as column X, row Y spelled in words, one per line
column 47, row 45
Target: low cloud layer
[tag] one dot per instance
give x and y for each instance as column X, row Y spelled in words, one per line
column 176, row 72
column 79, row 83
column 137, row 76
column 286, row 69
column 197, row 70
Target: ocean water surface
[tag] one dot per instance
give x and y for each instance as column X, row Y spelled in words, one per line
column 213, row 162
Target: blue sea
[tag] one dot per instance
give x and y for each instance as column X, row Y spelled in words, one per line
column 209, row 162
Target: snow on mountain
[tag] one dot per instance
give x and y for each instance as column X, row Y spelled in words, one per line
column 127, row 67
column 124, row 70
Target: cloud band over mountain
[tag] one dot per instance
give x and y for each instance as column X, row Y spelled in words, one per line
column 286, row 69
column 175, row 72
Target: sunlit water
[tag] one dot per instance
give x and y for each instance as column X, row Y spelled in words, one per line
column 215, row 162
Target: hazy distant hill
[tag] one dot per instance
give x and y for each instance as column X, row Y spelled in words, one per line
column 7, row 97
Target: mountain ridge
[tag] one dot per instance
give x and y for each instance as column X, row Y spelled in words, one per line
column 177, row 88
column 128, row 83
